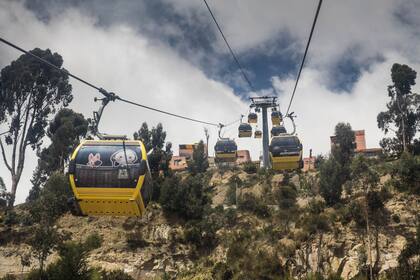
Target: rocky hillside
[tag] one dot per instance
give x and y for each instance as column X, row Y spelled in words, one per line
column 255, row 232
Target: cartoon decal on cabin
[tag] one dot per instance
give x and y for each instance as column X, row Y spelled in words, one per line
column 94, row 160
column 119, row 157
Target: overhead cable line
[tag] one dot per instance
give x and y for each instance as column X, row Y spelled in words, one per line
column 247, row 80
column 112, row 96
column 304, row 55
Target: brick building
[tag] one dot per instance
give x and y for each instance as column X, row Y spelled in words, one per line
column 243, row 157
column 360, row 146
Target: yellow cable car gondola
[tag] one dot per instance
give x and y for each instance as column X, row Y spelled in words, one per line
column 252, row 118
column 245, row 130
column 225, row 151
column 257, row 133
column 110, row 177
column 276, row 117
column 286, row 152
column 277, row 130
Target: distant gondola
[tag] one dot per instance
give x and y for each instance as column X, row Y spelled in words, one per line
column 252, row 118
column 225, row 151
column 110, row 177
column 286, row 152
column 244, row 130
column 276, row 118
column 277, row 130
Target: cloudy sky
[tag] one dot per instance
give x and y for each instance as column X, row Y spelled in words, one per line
column 168, row 54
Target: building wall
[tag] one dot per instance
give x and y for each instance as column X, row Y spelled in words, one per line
column 360, row 140
column 178, row 163
column 308, row 163
column 187, row 150
column 243, row 157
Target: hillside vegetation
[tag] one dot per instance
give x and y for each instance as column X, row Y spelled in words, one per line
column 234, row 225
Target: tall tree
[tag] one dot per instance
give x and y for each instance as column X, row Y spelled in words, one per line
column 199, row 162
column 331, row 181
column 65, row 132
column 3, row 194
column 343, row 150
column 161, row 155
column 403, row 111
column 29, row 92
column 375, row 215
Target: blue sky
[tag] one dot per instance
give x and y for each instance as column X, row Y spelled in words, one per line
column 168, row 54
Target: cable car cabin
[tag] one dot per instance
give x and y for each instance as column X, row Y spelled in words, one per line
column 286, row 152
column 276, row 118
column 257, row 134
column 277, row 130
column 252, row 118
column 245, row 130
column 225, row 150
column 110, row 178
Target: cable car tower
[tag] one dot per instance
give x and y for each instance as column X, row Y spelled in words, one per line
column 263, row 103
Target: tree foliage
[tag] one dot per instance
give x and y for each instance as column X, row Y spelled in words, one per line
column 29, row 92
column 199, row 162
column 186, row 198
column 403, row 111
column 72, row 264
column 406, row 173
column 343, row 150
column 65, row 132
column 155, row 139
column 331, row 179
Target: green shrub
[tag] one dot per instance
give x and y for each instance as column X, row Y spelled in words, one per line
column 248, row 202
column 187, row 197
column 8, row 277
column 135, row 239
column 250, row 167
column 11, row 218
column 396, row 218
column 407, row 172
column 93, row 241
column 115, row 275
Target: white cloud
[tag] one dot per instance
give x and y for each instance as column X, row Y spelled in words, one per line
column 320, row 109
column 120, row 59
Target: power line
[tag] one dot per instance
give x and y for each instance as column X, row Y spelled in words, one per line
column 165, row 112
column 304, row 55
column 247, row 80
column 110, row 95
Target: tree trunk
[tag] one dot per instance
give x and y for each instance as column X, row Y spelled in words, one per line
column 15, row 181
column 368, row 239
column 378, row 252
column 318, row 260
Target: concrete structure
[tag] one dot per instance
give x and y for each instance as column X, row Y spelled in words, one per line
column 178, row 163
column 262, row 103
column 360, row 142
column 308, row 164
column 243, row 157
column 187, row 150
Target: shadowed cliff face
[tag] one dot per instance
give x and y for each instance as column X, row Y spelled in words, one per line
column 160, row 244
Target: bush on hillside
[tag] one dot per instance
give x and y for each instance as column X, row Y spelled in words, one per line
column 115, row 275
column 186, row 198
column 250, row 167
column 331, row 181
column 407, row 173
column 250, row 203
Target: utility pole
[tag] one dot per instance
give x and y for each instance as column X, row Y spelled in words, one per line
column 265, row 138
column 263, row 103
